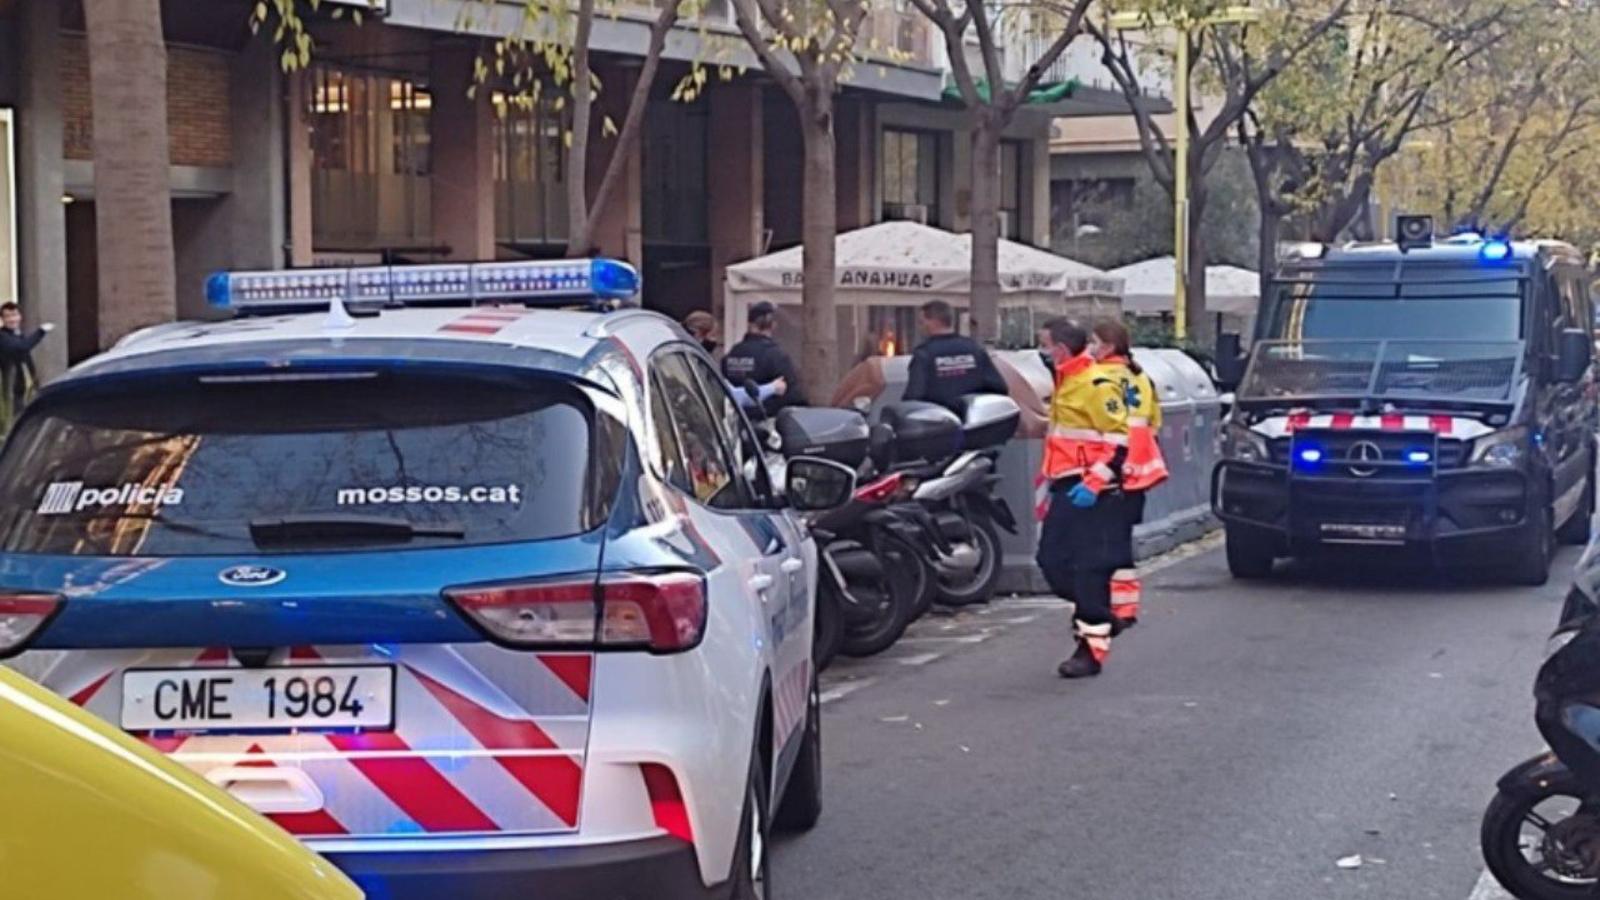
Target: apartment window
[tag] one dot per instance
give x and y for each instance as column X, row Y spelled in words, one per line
column 910, row 170
column 1011, row 181
column 675, row 164
column 371, row 159
column 530, row 171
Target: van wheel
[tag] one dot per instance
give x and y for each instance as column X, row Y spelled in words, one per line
column 1532, row 565
column 1248, row 560
column 749, row 875
column 1578, row 529
column 802, row 799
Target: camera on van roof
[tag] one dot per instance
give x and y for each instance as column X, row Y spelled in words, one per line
column 1413, row 231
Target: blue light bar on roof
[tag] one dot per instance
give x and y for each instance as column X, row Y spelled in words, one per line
column 1495, row 250
column 602, row 282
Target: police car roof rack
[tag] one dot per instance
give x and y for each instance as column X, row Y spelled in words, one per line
column 599, row 285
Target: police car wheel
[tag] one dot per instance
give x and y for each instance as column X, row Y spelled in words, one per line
column 749, row 875
column 828, row 633
column 802, row 799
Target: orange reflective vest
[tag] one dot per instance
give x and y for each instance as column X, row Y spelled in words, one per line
column 1144, row 467
column 1088, row 434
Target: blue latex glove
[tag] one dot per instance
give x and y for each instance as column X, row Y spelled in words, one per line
column 1082, row 496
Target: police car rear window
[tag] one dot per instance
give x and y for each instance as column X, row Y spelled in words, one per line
column 285, row 466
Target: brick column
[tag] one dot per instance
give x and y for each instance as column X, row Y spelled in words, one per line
column 463, row 157
column 41, row 216
column 735, row 207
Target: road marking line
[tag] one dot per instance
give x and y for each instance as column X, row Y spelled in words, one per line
column 921, row 659
column 1488, row 889
column 946, row 639
column 845, row 690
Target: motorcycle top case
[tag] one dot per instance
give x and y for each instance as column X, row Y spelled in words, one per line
column 840, row 435
column 924, row 431
column 988, row 420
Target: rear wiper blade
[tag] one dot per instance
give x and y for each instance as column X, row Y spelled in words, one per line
column 283, row 529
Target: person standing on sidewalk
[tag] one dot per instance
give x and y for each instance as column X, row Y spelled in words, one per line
column 948, row 366
column 18, row 377
column 1145, row 467
column 759, row 359
column 1086, row 534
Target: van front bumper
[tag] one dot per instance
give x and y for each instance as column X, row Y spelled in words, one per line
column 1446, row 510
column 661, row 868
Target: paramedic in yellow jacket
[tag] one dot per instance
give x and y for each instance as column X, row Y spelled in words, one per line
column 1144, row 467
column 1086, row 534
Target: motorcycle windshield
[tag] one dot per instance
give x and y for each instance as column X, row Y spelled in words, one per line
column 1389, row 371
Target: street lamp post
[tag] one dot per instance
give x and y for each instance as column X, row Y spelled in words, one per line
column 1131, row 21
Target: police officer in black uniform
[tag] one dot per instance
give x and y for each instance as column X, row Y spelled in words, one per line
column 759, row 359
column 947, row 366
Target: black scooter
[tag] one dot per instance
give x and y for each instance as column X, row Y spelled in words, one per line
column 1541, row 832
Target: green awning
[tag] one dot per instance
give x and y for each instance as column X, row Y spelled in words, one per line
column 1044, row 93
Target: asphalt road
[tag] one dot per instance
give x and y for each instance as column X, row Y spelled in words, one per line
column 1243, row 739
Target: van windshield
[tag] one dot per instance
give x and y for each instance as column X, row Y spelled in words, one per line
column 284, row 466
column 1332, row 312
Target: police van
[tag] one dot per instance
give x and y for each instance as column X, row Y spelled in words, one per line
column 1435, row 397
column 475, row 597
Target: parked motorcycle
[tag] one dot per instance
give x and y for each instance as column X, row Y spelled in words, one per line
column 952, row 460
column 870, row 574
column 1541, row 832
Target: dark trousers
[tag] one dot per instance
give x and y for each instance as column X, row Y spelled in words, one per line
column 1079, row 549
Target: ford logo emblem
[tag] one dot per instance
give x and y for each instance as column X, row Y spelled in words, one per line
column 251, row 576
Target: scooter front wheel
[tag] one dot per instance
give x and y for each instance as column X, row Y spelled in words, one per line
column 1543, row 844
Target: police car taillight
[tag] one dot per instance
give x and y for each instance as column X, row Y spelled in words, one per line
column 21, row 617
column 662, row 612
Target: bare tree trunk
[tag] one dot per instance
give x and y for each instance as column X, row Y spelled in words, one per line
column 986, row 223
column 1267, row 252
column 578, row 224
column 819, row 355
column 133, row 195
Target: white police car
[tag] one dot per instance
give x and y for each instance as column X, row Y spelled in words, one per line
column 476, row 600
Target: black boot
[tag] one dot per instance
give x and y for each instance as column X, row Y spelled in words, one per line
column 1081, row 664
column 1119, row 625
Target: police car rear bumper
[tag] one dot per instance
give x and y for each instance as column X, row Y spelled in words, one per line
column 1454, row 510
column 661, row 868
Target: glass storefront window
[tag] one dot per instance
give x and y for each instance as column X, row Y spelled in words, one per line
column 530, row 172
column 371, row 159
column 910, row 173
column 1011, row 181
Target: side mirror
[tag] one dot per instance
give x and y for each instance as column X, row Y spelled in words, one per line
column 1230, row 361
column 813, row 485
column 1574, row 351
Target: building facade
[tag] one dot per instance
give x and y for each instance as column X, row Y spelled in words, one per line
column 380, row 151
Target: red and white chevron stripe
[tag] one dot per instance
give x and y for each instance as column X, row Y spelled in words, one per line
column 464, row 756
column 1444, row 426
